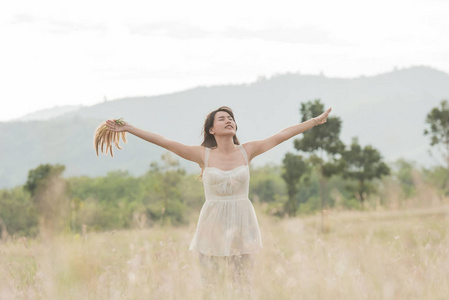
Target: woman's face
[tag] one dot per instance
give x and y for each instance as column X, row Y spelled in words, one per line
column 223, row 124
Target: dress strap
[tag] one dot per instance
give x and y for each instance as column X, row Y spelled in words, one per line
column 206, row 156
column 245, row 156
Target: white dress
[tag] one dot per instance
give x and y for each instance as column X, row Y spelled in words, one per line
column 227, row 224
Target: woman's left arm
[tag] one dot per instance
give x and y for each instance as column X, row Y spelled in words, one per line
column 258, row 147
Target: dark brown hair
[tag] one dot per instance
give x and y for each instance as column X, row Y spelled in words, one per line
column 209, row 140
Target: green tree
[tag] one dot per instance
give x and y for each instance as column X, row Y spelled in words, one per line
column 323, row 145
column 165, row 201
column 40, row 177
column 266, row 184
column 438, row 177
column 438, row 121
column 18, row 215
column 294, row 167
column 105, row 202
column 48, row 191
column 404, row 172
column 363, row 165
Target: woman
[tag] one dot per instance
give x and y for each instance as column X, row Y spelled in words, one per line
column 227, row 232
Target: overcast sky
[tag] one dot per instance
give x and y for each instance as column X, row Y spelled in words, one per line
column 79, row 52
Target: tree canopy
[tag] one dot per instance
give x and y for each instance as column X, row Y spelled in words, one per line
column 438, row 121
column 294, row 168
column 363, row 165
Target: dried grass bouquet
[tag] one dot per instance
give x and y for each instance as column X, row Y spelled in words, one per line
column 104, row 137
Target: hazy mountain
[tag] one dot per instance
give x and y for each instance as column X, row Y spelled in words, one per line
column 49, row 113
column 387, row 111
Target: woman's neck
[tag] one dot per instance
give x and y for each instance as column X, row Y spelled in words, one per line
column 225, row 144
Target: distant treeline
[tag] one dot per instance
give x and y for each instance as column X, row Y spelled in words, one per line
column 166, row 195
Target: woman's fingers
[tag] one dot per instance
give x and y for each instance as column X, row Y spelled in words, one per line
column 323, row 116
column 111, row 124
column 326, row 113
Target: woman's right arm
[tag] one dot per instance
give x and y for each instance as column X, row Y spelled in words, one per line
column 192, row 153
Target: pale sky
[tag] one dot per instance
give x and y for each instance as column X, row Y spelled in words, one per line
column 56, row 53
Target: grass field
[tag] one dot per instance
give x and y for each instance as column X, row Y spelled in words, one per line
column 366, row 255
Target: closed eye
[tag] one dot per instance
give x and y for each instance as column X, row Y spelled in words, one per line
column 222, row 118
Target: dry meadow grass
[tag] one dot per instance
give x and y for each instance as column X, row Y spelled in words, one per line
column 366, row 255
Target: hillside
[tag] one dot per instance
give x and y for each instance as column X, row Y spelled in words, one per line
column 48, row 113
column 386, row 111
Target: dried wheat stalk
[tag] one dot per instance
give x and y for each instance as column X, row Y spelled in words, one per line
column 104, row 138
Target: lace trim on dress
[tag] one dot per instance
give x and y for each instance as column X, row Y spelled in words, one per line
column 206, row 158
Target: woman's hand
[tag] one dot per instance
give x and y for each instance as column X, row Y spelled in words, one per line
column 113, row 126
column 321, row 119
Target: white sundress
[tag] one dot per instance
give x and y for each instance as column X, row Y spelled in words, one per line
column 227, row 224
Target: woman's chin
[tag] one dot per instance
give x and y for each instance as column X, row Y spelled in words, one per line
column 228, row 133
